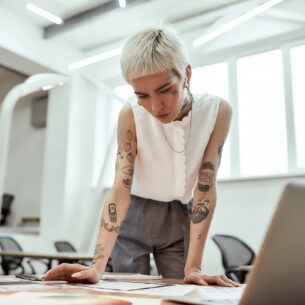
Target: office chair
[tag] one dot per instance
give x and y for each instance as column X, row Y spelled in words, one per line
column 65, row 246
column 234, row 253
column 7, row 200
column 10, row 263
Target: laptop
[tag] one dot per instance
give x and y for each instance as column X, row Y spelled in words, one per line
column 278, row 274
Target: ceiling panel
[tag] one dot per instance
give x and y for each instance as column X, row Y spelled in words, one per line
column 97, row 30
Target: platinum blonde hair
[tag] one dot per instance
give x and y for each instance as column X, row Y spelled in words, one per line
column 153, row 50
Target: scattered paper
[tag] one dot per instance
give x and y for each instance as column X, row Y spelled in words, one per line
column 129, row 276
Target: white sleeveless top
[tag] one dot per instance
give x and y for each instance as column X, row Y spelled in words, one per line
column 160, row 173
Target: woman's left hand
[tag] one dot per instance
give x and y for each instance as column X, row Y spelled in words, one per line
column 199, row 278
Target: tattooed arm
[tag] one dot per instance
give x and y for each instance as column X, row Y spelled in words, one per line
column 118, row 199
column 115, row 207
column 204, row 201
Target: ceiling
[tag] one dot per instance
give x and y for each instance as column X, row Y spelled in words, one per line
column 93, row 26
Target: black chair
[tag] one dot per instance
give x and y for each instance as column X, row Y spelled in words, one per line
column 7, row 200
column 65, row 246
column 234, row 253
column 11, row 264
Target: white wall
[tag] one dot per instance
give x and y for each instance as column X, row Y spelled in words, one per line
column 25, row 163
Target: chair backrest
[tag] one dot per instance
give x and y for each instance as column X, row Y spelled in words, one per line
column 9, row 262
column 64, row 246
column 234, row 253
column 7, row 200
column 9, row 243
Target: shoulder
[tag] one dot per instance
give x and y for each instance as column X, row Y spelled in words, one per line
column 225, row 109
column 126, row 114
column 126, row 118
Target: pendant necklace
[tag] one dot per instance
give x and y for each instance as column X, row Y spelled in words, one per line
column 189, row 133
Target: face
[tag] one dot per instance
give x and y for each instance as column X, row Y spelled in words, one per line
column 161, row 94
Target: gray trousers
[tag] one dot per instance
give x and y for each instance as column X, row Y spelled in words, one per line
column 150, row 226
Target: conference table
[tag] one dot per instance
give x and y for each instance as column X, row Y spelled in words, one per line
column 12, row 293
column 71, row 257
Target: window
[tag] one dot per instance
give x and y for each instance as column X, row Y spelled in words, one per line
column 259, row 135
column 298, row 76
column 261, row 114
column 213, row 79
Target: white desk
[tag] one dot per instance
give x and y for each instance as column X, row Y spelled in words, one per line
column 72, row 257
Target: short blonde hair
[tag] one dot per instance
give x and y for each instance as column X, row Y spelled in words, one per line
column 153, row 50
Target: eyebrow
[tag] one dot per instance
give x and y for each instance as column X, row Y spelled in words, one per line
column 156, row 90
column 159, row 88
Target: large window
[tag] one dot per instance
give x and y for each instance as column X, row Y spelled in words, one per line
column 298, row 86
column 262, row 140
column 213, row 79
column 262, row 121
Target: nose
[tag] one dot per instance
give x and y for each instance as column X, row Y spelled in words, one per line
column 156, row 105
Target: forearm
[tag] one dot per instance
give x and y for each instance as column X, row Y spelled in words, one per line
column 111, row 221
column 198, row 235
column 204, row 202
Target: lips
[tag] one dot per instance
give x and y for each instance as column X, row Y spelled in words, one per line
column 162, row 116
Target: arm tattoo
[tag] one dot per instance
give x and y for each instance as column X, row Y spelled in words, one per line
column 130, row 157
column 128, row 170
column 127, row 183
column 206, row 180
column 129, row 135
column 200, row 211
column 98, row 253
column 127, row 146
column 208, row 165
column 106, row 226
column 112, row 212
column 220, row 151
column 125, row 152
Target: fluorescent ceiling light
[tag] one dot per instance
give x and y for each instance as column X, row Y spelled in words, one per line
column 39, row 11
column 94, row 59
column 230, row 25
column 122, row 3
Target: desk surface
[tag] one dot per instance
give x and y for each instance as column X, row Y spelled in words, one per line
column 70, row 290
column 49, row 255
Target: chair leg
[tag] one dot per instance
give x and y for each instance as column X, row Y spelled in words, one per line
column 31, row 266
column 5, row 269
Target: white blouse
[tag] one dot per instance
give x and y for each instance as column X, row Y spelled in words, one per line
column 161, row 173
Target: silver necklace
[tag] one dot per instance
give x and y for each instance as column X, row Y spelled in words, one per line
column 189, row 133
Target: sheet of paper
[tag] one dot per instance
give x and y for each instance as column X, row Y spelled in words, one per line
column 215, row 292
column 154, row 289
column 15, row 284
column 129, row 276
column 122, row 285
column 210, row 295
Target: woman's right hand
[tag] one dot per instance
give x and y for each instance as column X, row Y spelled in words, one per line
column 73, row 273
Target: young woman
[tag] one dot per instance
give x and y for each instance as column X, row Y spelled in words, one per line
column 169, row 151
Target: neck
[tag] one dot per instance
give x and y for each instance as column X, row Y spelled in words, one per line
column 185, row 109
